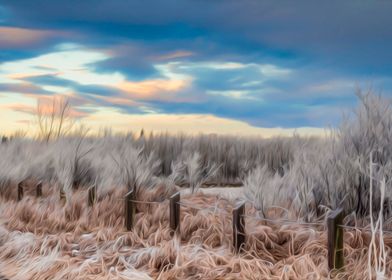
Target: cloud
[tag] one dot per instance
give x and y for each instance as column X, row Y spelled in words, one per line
column 174, row 55
column 152, row 89
column 217, row 76
column 21, row 108
column 13, row 37
column 46, row 108
column 250, row 92
column 26, row 88
column 18, row 42
column 260, row 62
column 304, row 26
column 70, row 62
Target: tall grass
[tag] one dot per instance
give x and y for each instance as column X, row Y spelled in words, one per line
column 307, row 176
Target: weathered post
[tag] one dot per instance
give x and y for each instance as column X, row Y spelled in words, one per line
column 20, row 191
column 130, row 210
column 175, row 212
column 39, row 189
column 335, row 239
column 62, row 195
column 92, row 195
column 238, row 227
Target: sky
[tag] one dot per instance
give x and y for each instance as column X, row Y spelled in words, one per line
column 232, row 67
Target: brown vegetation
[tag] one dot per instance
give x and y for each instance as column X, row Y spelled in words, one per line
column 44, row 239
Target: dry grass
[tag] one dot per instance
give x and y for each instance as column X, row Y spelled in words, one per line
column 44, row 239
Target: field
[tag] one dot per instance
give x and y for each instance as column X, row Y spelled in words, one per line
column 289, row 185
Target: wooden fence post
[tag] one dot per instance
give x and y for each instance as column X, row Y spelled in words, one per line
column 238, row 227
column 20, row 191
column 92, row 195
column 175, row 212
column 130, row 210
column 62, row 194
column 335, row 239
column 39, row 189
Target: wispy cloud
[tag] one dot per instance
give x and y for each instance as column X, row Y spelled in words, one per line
column 174, row 55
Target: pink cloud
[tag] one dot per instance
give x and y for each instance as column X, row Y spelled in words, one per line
column 46, row 107
column 16, row 37
column 174, row 55
column 21, row 108
column 118, row 101
column 20, row 37
column 24, row 88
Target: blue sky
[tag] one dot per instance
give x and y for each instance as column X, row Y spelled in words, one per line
column 243, row 65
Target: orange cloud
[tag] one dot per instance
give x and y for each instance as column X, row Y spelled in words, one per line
column 46, row 107
column 118, row 100
column 18, row 37
column 152, row 89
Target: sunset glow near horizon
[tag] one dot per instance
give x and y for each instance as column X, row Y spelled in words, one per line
column 226, row 67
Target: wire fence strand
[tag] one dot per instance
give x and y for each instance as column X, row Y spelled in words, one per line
column 283, row 221
column 143, row 201
column 364, row 229
column 286, row 222
column 148, row 202
column 215, row 210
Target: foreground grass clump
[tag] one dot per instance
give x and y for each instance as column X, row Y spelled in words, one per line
column 44, row 239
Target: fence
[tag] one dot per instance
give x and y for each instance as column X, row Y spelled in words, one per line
column 334, row 221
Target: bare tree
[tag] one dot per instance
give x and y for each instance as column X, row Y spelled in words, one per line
column 54, row 118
